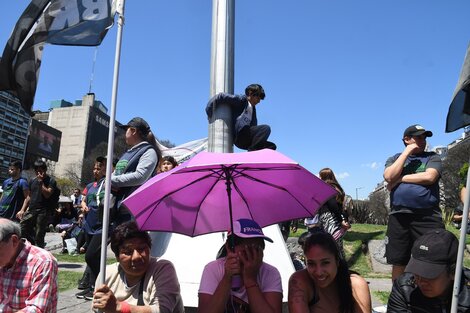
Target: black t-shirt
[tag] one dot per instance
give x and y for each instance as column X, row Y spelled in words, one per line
column 38, row 201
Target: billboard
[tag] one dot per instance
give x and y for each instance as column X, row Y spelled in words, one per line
column 44, row 141
column 98, row 129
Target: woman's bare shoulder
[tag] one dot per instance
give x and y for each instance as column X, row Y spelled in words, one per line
column 359, row 283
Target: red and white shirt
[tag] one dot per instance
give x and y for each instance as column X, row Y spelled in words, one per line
column 30, row 284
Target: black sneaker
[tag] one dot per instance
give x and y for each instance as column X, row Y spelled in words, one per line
column 89, row 295
column 81, row 294
column 84, row 282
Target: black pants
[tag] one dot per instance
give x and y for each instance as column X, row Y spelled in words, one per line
column 254, row 138
column 93, row 256
column 34, row 225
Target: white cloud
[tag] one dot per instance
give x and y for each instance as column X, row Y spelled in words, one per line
column 373, row 165
column 342, row 175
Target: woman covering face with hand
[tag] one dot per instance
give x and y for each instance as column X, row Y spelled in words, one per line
column 260, row 289
column 326, row 284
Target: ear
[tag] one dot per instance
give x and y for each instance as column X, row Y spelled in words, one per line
column 15, row 240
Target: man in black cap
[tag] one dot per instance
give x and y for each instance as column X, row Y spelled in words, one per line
column 426, row 285
column 413, row 180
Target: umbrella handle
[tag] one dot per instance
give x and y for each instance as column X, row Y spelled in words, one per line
column 236, row 282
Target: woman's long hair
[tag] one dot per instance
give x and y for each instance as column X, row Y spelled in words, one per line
column 327, row 175
column 343, row 278
column 150, row 138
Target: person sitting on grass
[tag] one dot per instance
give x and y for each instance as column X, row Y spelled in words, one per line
column 326, row 285
column 137, row 282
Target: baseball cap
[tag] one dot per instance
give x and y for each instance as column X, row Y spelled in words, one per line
column 416, row 130
column 246, row 228
column 138, row 123
column 432, row 253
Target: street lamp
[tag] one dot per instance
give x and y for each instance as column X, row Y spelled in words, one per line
column 357, row 188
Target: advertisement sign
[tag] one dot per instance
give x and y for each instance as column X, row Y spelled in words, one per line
column 44, row 141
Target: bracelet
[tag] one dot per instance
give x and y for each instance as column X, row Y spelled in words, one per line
column 125, row 307
column 251, row 286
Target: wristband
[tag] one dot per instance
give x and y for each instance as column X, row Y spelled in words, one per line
column 125, row 307
column 251, row 286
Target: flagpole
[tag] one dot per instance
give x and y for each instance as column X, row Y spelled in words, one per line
column 462, row 244
column 112, row 122
column 222, row 73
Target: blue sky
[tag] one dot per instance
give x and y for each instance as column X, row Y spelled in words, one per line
column 343, row 79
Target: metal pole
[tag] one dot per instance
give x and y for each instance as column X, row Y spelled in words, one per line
column 112, row 120
column 462, row 243
column 222, row 73
column 357, row 188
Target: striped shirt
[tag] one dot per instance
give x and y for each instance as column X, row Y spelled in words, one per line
column 30, row 284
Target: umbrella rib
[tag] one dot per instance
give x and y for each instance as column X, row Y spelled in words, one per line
column 241, row 173
column 220, row 174
column 156, row 203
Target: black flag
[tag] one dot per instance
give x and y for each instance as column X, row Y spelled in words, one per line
column 459, row 110
column 60, row 22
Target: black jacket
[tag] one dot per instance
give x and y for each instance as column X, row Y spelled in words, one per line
column 237, row 103
column 406, row 297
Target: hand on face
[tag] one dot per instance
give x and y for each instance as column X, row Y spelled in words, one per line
column 251, row 257
column 40, row 175
column 232, row 264
column 413, row 148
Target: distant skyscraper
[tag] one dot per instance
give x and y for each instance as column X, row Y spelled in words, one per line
column 14, row 123
column 84, row 126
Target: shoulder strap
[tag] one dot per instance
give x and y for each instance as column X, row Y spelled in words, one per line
column 137, row 154
column 140, row 301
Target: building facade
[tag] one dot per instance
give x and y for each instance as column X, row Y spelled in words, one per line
column 84, row 126
column 14, row 124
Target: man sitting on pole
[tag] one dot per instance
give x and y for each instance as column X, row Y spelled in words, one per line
column 247, row 134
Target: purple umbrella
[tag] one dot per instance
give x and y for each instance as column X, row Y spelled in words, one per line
column 208, row 192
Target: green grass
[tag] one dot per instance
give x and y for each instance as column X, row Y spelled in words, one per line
column 70, row 258
column 68, row 280
column 382, row 296
column 78, row 258
column 355, row 247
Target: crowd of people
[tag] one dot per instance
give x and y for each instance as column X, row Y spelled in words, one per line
column 422, row 253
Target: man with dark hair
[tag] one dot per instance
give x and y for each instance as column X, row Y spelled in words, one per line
column 28, row 274
column 77, row 199
column 247, row 134
column 426, row 285
column 41, row 205
column 15, row 191
column 413, row 180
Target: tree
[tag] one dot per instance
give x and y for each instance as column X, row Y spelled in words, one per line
column 167, row 143
column 456, row 157
column 378, row 207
